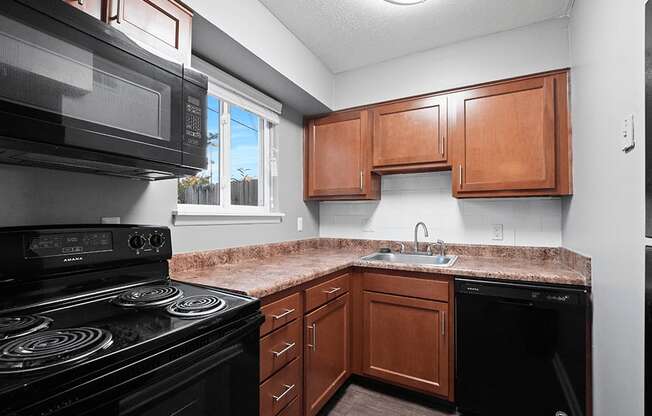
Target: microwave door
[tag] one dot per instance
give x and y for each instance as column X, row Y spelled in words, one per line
column 62, row 86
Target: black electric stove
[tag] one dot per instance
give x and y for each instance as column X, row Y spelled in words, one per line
column 90, row 323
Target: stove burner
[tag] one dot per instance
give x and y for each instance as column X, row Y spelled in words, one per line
column 196, row 306
column 52, row 348
column 17, row 326
column 146, row 296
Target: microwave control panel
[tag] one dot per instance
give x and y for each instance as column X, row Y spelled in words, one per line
column 193, row 122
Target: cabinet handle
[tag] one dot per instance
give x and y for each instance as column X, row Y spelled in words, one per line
column 288, row 347
column 288, row 388
column 441, row 145
column 460, row 175
column 443, row 324
column 313, row 327
column 283, row 315
column 361, row 181
column 117, row 13
column 333, row 290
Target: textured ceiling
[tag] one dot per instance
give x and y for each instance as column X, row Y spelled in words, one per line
column 347, row 34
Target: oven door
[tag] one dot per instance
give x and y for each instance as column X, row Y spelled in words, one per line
column 220, row 384
column 62, row 86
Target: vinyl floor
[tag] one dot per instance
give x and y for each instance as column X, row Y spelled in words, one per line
column 359, row 400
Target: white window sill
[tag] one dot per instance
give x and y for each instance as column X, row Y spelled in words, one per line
column 185, row 218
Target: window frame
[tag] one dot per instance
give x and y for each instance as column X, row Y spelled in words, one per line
column 225, row 212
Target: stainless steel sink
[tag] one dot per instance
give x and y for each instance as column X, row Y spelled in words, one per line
column 438, row 261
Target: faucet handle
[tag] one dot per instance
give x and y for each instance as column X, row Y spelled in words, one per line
column 441, row 246
column 401, row 245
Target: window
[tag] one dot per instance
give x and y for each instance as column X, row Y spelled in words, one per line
column 239, row 182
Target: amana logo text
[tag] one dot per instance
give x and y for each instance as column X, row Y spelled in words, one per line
column 66, row 260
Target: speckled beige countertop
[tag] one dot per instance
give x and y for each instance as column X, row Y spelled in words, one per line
column 262, row 277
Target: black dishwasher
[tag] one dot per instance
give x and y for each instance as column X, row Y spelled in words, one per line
column 521, row 349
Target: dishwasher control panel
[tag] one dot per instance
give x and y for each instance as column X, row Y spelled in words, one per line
column 522, row 292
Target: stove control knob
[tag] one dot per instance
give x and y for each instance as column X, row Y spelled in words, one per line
column 156, row 240
column 136, row 242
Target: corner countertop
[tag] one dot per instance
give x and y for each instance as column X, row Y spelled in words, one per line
column 266, row 276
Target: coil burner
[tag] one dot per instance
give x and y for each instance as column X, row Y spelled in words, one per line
column 52, row 348
column 148, row 296
column 18, row 326
column 196, row 306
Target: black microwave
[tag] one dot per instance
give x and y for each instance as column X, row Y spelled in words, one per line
column 77, row 94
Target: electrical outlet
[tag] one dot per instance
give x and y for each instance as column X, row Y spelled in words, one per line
column 110, row 220
column 299, row 223
column 497, row 232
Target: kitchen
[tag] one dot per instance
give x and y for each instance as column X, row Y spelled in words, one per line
column 364, row 207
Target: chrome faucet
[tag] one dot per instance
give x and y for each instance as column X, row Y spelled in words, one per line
column 416, row 235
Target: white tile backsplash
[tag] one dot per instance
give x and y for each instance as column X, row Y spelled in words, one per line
column 407, row 199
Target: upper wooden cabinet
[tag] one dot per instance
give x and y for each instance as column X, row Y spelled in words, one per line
column 410, row 136
column 511, row 139
column 96, row 8
column 163, row 27
column 502, row 139
column 338, row 158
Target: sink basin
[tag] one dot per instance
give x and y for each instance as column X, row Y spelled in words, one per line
column 439, row 261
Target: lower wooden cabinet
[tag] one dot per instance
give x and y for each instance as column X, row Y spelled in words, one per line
column 387, row 325
column 280, row 389
column 326, row 356
column 405, row 341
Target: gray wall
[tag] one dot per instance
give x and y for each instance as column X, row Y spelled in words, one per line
column 534, row 48
column 605, row 217
column 38, row 196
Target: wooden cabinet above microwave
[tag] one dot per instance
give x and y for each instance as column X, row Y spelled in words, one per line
column 502, row 139
column 163, row 27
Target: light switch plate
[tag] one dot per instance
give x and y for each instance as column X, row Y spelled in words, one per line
column 628, row 133
column 299, row 223
column 497, row 232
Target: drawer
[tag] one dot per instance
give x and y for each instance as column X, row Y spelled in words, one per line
column 277, row 392
column 280, row 313
column 406, row 286
column 322, row 293
column 279, row 348
column 293, row 409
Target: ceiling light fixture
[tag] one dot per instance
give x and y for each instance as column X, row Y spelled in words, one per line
column 405, row 2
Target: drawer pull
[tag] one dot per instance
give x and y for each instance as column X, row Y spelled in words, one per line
column 332, row 290
column 283, row 315
column 314, row 337
column 288, row 347
column 443, row 323
column 288, row 388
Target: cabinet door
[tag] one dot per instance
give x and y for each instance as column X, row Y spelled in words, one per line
column 92, row 7
column 505, row 137
column 337, row 155
column 161, row 26
column 406, row 341
column 326, row 364
column 410, row 133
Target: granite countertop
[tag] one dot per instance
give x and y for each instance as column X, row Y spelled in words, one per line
column 265, row 276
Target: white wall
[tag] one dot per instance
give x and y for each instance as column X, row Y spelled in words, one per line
column 605, row 217
column 32, row 196
column 535, row 48
column 253, row 26
column 408, row 199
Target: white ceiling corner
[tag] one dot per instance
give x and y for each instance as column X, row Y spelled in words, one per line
column 348, row 34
